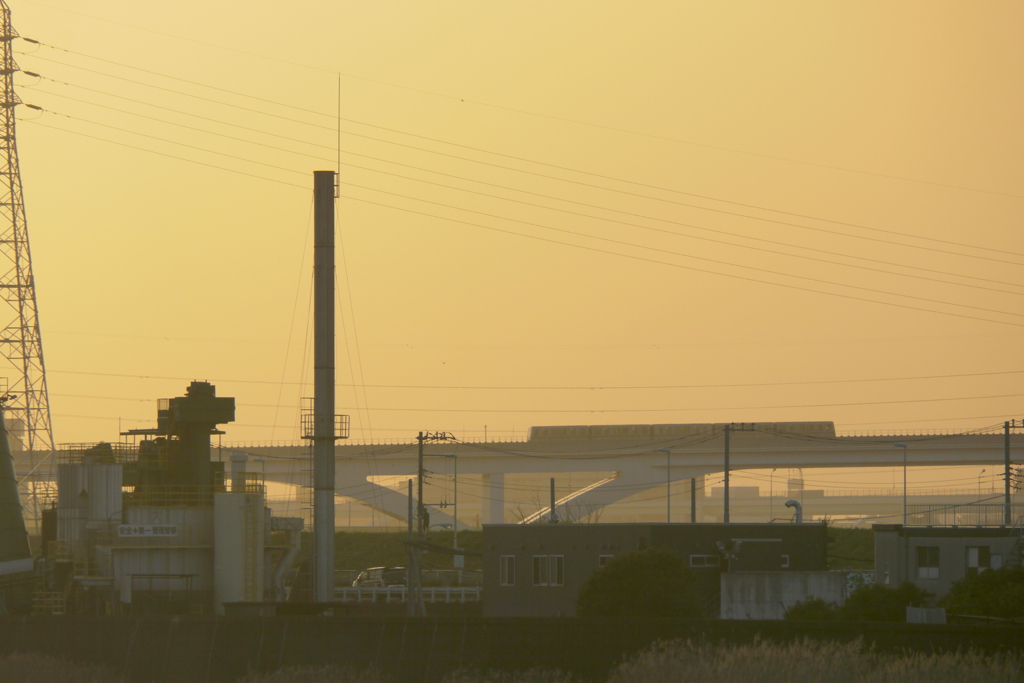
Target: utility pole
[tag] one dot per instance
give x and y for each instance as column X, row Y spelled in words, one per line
column 553, row 519
column 414, row 571
column 728, row 429
column 693, row 500
column 422, row 518
column 21, row 344
column 414, row 591
column 1007, row 471
column 668, row 483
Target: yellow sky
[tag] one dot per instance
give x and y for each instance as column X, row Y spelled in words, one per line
column 713, row 204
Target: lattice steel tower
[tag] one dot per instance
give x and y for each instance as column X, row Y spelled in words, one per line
column 21, row 348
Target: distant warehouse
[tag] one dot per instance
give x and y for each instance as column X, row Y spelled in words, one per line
column 538, row 569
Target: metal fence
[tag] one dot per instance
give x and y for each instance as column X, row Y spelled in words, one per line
column 970, row 514
column 392, row 594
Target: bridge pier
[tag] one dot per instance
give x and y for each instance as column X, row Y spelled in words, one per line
column 494, row 498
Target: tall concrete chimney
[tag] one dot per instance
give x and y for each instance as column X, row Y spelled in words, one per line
column 323, row 386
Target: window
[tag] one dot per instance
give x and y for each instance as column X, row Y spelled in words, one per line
column 979, row 558
column 540, row 570
column 508, row 570
column 705, row 561
column 603, row 560
column 928, row 562
column 556, row 570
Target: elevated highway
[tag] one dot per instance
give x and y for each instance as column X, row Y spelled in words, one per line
column 622, row 460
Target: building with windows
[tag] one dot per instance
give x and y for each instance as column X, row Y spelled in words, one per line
column 935, row 557
column 538, row 569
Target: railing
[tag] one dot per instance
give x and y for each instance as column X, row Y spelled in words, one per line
column 182, row 496
column 890, row 433
column 102, row 452
column 49, row 602
column 974, row 493
column 400, row 594
column 971, row 514
column 185, row 535
column 898, row 492
column 97, row 567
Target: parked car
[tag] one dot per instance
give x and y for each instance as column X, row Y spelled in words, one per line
column 380, row 577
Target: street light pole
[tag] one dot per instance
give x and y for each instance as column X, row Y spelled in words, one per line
column 979, row 482
column 771, row 496
column 900, row 444
column 725, row 490
column 457, row 560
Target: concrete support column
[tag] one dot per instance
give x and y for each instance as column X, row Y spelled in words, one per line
column 494, row 498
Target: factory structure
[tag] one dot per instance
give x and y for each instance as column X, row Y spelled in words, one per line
column 156, row 525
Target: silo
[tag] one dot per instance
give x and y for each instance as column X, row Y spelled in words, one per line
column 238, row 548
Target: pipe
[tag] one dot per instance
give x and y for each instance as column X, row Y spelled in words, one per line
column 238, row 461
column 799, row 510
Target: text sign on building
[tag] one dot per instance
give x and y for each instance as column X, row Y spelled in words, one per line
column 133, row 530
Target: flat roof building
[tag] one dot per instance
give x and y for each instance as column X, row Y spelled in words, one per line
column 538, row 569
column 935, row 557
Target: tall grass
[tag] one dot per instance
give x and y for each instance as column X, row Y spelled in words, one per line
column 34, row 668
column 667, row 662
column 759, row 662
column 318, row 674
column 808, row 662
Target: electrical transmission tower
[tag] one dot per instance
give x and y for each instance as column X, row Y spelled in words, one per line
column 21, row 348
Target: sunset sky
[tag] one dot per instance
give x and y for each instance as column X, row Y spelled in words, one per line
column 552, row 212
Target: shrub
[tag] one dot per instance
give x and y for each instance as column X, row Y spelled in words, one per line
column 651, row 583
column 994, row 593
column 811, row 609
column 876, row 602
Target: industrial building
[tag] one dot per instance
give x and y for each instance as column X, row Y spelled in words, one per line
column 933, row 558
column 159, row 526
column 538, row 569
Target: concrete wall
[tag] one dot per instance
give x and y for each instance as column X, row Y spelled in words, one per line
column 767, row 595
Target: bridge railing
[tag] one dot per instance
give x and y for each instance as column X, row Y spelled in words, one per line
column 970, row 514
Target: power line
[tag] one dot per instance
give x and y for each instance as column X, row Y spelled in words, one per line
column 503, row 108
column 689, row 256
column 587, row 173
column 604, row 239
column 702, row 408
column 677, row 265
column 541, row 206
column 164, row 154
column 172, row 142
column 562, row 388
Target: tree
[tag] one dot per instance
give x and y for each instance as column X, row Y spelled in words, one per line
column 875, row 602
column 651, row 583
column 993, row 593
